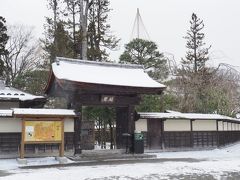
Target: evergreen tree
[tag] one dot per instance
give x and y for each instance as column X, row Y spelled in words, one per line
column 33, row 81
column 84, row 29
column 145, row 53
column 58, row 42
column 71, row 12
column 194, row 79
column 99, row 37
column 197, row 54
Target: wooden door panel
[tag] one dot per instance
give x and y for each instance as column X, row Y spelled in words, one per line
column 155, row 133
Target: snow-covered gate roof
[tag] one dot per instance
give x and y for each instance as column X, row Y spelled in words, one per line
column 108, row 74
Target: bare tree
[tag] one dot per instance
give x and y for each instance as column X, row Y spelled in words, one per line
column 23, row 52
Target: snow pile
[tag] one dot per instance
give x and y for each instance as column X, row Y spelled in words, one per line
column 223, row 153
column 7, row 164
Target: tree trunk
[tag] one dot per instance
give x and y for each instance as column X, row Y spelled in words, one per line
column 83, row 27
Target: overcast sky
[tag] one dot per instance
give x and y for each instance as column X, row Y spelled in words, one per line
column 165, row 20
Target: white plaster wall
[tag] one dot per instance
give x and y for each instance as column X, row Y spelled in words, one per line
column 141, row 125
column 177, row 125
column 68, row 125
column 15, row 125
column 204, row 125
column 225, row 126
column 9, row 105
column 10, row 125
column 220, row 126
column 229, row 127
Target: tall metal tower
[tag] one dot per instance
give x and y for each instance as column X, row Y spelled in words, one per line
column 139, row 30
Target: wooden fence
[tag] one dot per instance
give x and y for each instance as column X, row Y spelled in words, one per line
column 194, row 139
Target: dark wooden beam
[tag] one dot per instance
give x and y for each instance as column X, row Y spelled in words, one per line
column 95, row 99
column 102, row 88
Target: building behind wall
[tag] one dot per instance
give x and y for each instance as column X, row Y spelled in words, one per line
column 15, row 106
column 176, row 130
column 10, row 127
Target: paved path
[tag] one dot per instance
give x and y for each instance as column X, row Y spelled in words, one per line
column 113, row 162
column 4, row 173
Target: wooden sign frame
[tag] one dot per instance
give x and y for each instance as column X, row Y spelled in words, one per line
column 23, row 142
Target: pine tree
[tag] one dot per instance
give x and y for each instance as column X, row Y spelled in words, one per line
column 146, row 53
column 197, row 54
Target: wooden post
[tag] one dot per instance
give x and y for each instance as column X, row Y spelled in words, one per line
column 125, row 124
column 77, row 130
column 131, row 126
column 217, row 133
column 22, row 140
column 61, row 150
column 191, row 131
column 121, row 126
column 162, row 134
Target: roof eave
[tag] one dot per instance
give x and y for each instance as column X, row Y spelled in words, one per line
column 51, row 78
column 43, row 116
column 72, row 85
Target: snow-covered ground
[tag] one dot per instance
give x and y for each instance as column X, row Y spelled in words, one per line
column 212, row 164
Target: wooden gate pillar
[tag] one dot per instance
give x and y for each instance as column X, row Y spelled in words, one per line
column 125, row 126
column 77, row 123
column 77, row 131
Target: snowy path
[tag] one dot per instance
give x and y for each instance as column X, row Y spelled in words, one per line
column 217, row 164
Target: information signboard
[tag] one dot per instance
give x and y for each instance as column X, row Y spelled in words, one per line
column 43, row 131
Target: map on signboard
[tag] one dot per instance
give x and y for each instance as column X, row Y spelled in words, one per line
column 43, row 131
